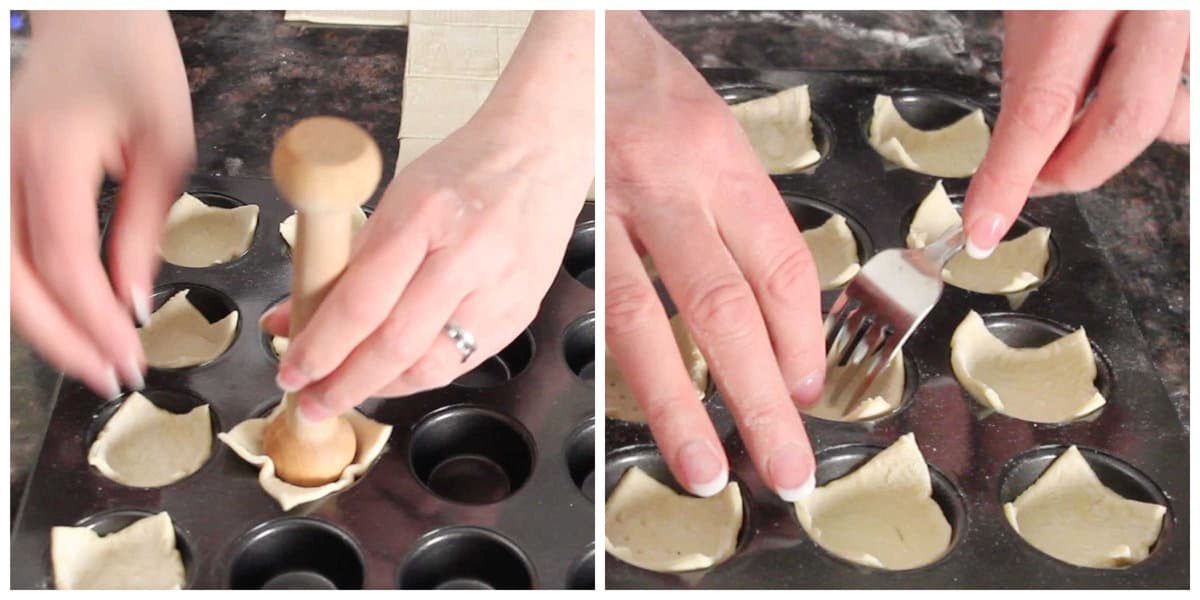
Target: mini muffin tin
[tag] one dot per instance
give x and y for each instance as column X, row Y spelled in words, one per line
column 978, row 460
column 484, row 483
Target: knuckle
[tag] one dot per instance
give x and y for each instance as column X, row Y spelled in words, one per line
column 723, row 307
column 1046, row 108
column 1131, row 123
column 629, row 303
column 302, row 356
column 995, row 182
column 354, row 313
column 430, row 372
column 760, row 415
column 393, row 343
column 790, row 273
column 665, row 411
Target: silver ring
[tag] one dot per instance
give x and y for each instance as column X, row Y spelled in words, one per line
column 463, row 340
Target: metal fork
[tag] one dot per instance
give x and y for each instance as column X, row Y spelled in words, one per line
column 877, row 312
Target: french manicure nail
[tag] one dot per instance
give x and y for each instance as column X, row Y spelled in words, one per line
column 141, row 305
column 986, row 226
column 290, row 379
column 266, row 315
column 703, row 472
column 800, row 493
column 807, row 391
column 134, row 377
column 791, row 473
column 1042, row 189
column 113, row 384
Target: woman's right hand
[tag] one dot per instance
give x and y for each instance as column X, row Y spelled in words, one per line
column 685, row 187
column 95, row 93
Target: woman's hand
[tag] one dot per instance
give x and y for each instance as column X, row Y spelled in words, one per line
column 472, row 232
column 684, row 186
column 96, row 93
column 1050, row 137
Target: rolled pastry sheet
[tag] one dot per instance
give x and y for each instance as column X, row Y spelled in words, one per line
column 882, row 514
column 1050, row 384
column 199, row 235
column 1071, row 515
column 952, row 151
column 143, row 445
column 141, row 556
column 780, row 129
column 1014, row 265
column 381, row 18
column 649, row 525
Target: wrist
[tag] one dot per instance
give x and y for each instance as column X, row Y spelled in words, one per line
column 548, row 83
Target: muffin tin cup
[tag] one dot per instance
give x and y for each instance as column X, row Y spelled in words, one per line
column 237, row 536
column 969, row 448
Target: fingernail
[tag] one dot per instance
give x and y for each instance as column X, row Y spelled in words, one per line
column 988, row 226
column 141, row 305
column 112, row 384
column 134, row 376
column 807, row 391
column 791, row 472
column 703, row 471
column 266, row 315
column 1042, row 189
column 312, row 411
column 290, row 379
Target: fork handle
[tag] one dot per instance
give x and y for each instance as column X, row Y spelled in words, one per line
column 945, row 247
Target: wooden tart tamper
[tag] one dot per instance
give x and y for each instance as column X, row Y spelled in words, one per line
column 325, row 167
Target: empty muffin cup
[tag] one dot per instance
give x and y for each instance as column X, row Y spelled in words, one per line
column 296, row 553
column 465, row 558
column 580, row 453
column 471, row 455
column 581, row 575
column 580, row 259
column 504, row 366
column 579, row 347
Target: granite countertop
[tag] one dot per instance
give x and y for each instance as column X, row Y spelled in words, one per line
column 252, row 75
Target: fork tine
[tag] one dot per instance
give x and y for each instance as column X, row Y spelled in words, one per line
column 856, row 324
column 885, row 351
column 850, row 350
column 835, row 319
column 859, row 363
